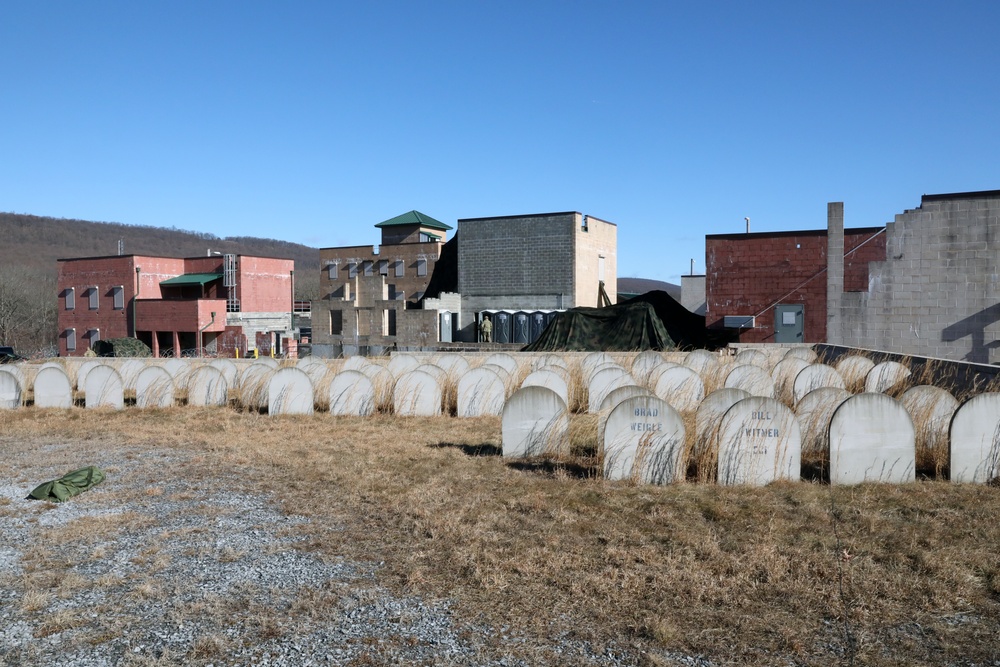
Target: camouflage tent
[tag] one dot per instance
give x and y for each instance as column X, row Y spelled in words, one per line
column 623, row 327
column 651, row 321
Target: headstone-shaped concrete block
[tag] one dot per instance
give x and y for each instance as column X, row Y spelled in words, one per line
column 351, row 393
column 885, row 376
column 355, row 363
column 435, row 370
column 815, row 377
column 975, row 440
column 82, row 370
column 806, row 354
column 931, row 410
column 129, row 370
column 228, row 368
column 604, row 382
column 382, row 382
column 616, row 396
column 402, row 363
column 315, row 368
column 154, row 388
column 481, row 391
column 179, row 369
column 10, row 390
column 104, row 388
column 52, row 388
column 814, row 412
column 701, row 361
column 644, row 442
column 591, row 372
column 270, row 362
column 759, row 442
column 681, row 387
column 253, row 384
column 653, row 374
column 854, row 369
column 206, row 385
column 534, row 422
column 290, row 392
column 504, row 361
column 549, row 360
column 550, row 379
column 783, row 374
column 643, row 363
column 591, row 361
column 708, row 419
column 454, row 365
column 871, row 440
column 752, row 379
column 752, row 357
column 417, row 394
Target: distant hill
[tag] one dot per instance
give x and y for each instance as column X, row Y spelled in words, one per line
column 642, row 285
column 31, row 244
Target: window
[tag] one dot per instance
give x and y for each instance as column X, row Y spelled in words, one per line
column 399, row 268
column 336, row 322
column 93, row 335
column 352, row 269
column 70, row 340
column 383, row 267
column 70, row 295
column 95, row 298
column 421, row 267
column 367, row 267
column 119, row 295
column 331, row 269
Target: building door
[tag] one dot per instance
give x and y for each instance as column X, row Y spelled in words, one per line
column 789, row 323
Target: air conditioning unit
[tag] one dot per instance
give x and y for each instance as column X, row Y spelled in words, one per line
column 739, row 321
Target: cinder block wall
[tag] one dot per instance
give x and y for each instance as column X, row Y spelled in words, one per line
column 937, row 293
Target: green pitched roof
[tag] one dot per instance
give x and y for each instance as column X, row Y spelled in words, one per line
column 414, row 218
column 192, row 279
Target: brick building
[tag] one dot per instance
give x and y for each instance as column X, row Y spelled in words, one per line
column 772, row 286
column 194, row 305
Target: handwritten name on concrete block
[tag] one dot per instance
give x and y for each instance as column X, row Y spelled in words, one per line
column 644, row 442
column 759, row 443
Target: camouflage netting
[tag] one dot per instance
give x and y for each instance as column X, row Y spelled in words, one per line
column 651, row 321
column 122, row 347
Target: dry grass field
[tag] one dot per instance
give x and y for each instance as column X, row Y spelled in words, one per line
column 790, row 574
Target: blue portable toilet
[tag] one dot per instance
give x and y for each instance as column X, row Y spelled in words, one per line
column 521, row 328
column 502, row 327
column 536, row 325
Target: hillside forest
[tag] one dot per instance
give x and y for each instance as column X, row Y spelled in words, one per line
column 30, row 246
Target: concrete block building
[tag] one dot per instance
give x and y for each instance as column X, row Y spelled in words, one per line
column 547, row 261
column 197, row 305
column 936, row 292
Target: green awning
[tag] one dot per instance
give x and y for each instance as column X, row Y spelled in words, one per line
column 192, row 279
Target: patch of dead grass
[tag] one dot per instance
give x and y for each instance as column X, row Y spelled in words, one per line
column 794, row 572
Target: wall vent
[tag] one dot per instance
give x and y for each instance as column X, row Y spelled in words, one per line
column 739, row 321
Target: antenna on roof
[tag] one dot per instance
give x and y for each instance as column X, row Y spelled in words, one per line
column 748, row 224
column 121, row 246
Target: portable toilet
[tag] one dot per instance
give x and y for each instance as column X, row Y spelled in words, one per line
column 444, row 326
column 521, row 328
column 502, row 327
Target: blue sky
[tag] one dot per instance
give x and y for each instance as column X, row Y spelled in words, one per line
column 312, row 121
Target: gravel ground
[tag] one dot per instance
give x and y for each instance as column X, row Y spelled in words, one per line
column 148, row 571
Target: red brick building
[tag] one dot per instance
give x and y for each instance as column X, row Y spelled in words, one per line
column 195, row 305
column 772, row 286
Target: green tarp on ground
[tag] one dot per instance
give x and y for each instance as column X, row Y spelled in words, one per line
column 69, row 485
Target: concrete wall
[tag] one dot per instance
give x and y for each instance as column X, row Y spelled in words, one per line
column 937, row 291
column 596, row 244
column 693, row 293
